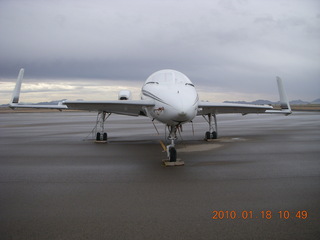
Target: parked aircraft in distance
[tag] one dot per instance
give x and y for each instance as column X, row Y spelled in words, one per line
column 167, row 96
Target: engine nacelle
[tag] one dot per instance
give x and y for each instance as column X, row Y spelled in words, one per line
column 124, row 95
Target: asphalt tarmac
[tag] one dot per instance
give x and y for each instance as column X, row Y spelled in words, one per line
column 259, row 180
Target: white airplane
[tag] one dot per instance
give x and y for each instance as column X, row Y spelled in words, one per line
column 167, row 96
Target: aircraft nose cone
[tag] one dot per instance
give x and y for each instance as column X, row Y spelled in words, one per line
column 185, row 115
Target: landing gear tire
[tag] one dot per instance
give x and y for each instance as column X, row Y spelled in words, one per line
column 214, row 135
column 173, row 154
column 98, row 137
column 208, row 135
column 105, row 136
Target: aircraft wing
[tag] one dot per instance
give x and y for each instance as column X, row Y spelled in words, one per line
column 220, row 108
column 125, row 107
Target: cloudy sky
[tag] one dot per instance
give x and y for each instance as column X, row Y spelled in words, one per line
column 230, row 49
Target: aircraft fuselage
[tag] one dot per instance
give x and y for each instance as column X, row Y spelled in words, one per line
column 176, row 99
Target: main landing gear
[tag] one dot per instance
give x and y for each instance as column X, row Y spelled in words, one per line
column 101, row 135
column 213, row 127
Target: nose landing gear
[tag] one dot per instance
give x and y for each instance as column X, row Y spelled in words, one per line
column 171, row 150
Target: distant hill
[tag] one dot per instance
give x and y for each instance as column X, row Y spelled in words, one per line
column 299, row 102
column 317, row 101
column 260, row 101
column 267, row 102
column 55, row 102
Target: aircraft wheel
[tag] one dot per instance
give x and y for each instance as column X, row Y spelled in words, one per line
column 105, row 136
column 214, row 135
column 208, row 135
column 98, row 136
column 173, row 154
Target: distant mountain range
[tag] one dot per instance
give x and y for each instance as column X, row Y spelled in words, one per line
column 267, row 102
column 258, row 102
column 55, row 102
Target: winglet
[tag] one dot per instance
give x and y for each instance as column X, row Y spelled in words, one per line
column 16, row 94
column 16, row 91
column 284, row 103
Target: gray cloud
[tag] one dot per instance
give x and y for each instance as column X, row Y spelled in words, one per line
column 232, row 45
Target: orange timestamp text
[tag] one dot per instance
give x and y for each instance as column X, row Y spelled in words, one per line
column 265, row 214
